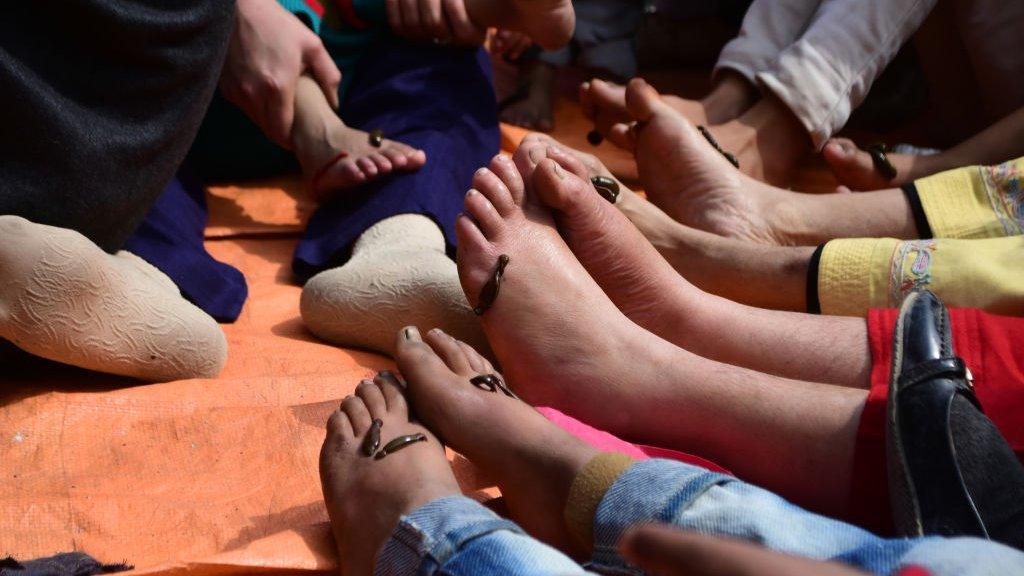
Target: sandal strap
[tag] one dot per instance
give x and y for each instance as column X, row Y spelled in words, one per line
column 952, row 368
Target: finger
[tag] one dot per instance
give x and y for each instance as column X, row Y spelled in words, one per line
column 432, row 20
column 326, row 73
column 280, row 113
column 411, row 19
column 464, row 32
column 394, row 10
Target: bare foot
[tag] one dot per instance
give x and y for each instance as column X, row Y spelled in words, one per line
column 533, row 461
column 853, row 167
column 551, row 326
column 624, row 264
column 335, row 157
column 341, row 157
column 604, row 103
column 366, row 496
column 534, row 110
column 692, row 182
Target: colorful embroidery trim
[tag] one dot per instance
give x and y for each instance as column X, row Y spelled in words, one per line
column 1003, row 186
column 904, row 278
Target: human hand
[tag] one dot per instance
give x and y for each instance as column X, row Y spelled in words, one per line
column 268, row 51
column 437, row 20
column 507, row 43
column 668, row 551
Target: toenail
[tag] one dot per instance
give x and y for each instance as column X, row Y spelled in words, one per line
column 471, row 192
column 559, row 172
column 533, row 154
column 386, row 374
column 412, row 333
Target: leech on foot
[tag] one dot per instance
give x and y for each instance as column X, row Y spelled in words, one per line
column 401, row 442
column 376, row 138
column 595, row 138
column 489, row 293
column 881, row 161
column 606, row 187
column 486, row 382
column 714, row 144
column 492, row 383
column 372, row 440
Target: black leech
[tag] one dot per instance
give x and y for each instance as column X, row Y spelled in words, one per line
column 489, row 293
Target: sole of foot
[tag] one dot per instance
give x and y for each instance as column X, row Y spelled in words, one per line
column 66, row 300
column 691, row 181
column 533, row 461
column 345, row 158
column 366, row 496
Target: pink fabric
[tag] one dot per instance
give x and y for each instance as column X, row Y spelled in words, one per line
column 609, row 443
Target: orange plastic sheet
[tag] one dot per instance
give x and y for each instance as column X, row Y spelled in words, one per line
column 201, row 477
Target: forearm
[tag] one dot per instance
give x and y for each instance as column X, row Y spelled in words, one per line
column 998, row 143
column 826, row 74
column 768, row 27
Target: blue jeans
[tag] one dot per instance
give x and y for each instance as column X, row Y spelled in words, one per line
column 456, row 535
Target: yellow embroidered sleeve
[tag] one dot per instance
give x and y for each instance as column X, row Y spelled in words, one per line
column 975, row 202
column 857, row 274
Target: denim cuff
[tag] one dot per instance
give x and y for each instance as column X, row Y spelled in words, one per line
column 650, row 491
column 428, row 536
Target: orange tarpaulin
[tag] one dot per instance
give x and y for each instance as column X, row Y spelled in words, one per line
column 201, row 476
column 204, row 477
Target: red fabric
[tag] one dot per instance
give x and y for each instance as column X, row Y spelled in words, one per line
column 348, row 13
column 990, row 345
column 610, row 443
column 913, row 571
column 316, row 7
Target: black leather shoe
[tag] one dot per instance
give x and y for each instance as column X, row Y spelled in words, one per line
column 926, row 484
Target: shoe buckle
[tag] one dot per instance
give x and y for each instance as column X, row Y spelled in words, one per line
column 969, row 376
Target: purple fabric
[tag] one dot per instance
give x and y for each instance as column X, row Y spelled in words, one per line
column 436, row 98
column 171, row 238
column 439, row 99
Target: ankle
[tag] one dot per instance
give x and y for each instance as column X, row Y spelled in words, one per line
column 731, row 97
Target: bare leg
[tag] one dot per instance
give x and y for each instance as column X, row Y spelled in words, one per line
column 535, row 110
column 998, row 143
column 645, row 287
column 564, row 344
column 319, row 138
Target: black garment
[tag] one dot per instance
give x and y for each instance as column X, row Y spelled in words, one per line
column 66, row 564
column 99, row 102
